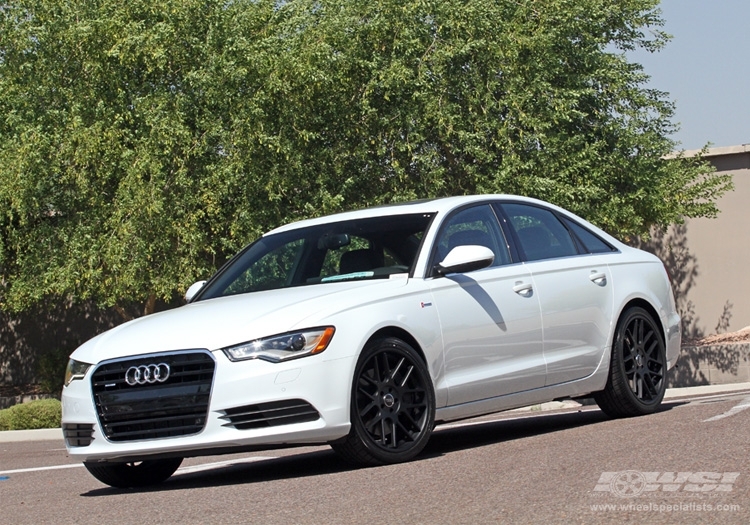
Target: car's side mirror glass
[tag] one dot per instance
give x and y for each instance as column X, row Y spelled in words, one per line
column 462, row 259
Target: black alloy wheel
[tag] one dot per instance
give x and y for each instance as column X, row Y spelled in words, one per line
column 393, row 405
column 638, row 369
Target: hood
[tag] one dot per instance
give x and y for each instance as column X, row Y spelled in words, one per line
column 216, row 323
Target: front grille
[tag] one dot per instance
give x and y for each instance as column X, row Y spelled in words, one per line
column 78, row 434
column 270, row 414
column 177, row 406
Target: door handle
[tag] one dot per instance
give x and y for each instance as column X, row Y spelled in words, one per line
column 523, row 289
column 599, row 278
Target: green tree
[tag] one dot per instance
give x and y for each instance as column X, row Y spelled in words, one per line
column 118, row 181
column 141, row 144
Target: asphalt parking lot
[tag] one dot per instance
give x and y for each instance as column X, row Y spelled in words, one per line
column 688, row 463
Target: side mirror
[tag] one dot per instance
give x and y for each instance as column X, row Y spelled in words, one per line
column 462, row 259
column 194, row 289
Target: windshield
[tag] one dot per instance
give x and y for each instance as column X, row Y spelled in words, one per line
column 372, row 248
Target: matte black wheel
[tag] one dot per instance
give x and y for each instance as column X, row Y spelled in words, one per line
column 136, row 474
column 393, row 405
column 638, row 372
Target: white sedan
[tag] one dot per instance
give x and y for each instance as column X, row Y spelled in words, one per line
column 365, row 329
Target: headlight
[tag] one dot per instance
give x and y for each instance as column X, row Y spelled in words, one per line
column 283, row 347
column 75, row 370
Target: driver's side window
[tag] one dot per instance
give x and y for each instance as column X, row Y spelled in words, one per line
column 473, row 226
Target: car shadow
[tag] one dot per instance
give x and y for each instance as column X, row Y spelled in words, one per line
column 445, row 439
column 454, row 438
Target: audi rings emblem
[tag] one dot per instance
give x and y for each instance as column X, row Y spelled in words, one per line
column 147, row 374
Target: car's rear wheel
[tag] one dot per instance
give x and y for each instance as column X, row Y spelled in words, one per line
column 392, row 407
column 638, row 372
column 134, row 474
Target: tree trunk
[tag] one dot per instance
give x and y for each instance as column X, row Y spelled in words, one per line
column 150, row 306
column 121, row 311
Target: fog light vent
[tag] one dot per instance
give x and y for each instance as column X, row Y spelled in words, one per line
column 78, row 434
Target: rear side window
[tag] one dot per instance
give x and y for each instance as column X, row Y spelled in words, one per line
column 591, row 243
column 540, row 233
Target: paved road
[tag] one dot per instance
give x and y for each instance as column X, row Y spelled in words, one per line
column 688, row 463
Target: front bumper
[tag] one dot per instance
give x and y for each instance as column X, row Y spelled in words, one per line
column 238, row 389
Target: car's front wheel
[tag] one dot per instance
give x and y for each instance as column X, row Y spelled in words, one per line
column 638, row 372
column 392, row 407
column 134, row 474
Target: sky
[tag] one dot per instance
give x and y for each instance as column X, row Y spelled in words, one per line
column 705, row 68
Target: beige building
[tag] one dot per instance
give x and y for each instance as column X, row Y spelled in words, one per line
column 708, row 258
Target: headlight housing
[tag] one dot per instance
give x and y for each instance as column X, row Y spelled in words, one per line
column 75, row 370
column 283, row 347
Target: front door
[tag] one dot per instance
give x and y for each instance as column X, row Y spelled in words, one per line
column 490, row 318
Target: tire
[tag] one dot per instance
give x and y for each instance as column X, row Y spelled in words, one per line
column 638, row 372
column 134, row 474
column 392, row 405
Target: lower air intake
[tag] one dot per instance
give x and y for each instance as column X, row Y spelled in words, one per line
column 272, row 414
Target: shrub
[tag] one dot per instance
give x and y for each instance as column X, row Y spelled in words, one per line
column 44, row 413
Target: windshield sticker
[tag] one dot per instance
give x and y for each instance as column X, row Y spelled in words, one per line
column 347, row 276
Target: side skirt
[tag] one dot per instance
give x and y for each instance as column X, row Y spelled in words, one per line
column 578, row 388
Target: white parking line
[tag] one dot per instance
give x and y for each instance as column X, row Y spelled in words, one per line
column 744, row 404
column 39, row 469
column 184, row 470
column 218, row 464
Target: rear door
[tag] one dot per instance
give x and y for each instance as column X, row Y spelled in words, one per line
column 573, row 284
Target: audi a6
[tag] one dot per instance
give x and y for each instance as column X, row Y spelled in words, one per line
column 365, row 329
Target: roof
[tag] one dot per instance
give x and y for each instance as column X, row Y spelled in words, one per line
column 438, row 205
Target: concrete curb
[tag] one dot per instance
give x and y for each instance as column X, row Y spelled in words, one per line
column 42, row 434
column 690, row 391
column 54, row 434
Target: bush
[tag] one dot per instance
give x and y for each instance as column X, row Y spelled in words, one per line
column 44, row 413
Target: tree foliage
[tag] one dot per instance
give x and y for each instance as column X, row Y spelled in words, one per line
column 143, row 142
